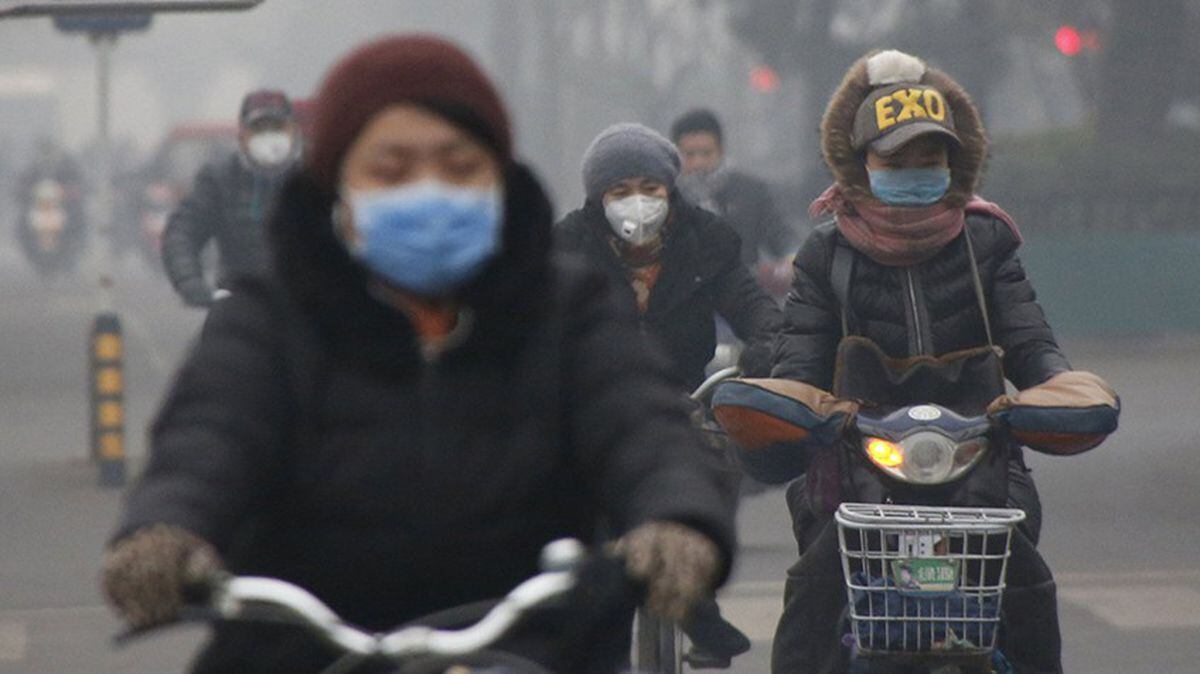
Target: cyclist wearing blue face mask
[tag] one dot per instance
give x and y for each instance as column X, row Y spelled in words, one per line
column 418, row 399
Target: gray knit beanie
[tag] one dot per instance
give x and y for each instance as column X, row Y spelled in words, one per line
column 628, row 151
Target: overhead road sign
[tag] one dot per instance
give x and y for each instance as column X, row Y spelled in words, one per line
column 102, row 23
column 17, row 8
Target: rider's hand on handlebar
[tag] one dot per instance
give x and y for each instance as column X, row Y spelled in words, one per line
column 678, row 564
column 145, row 575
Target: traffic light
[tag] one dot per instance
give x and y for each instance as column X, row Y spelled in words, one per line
column 764, row 80
column 1070, row 41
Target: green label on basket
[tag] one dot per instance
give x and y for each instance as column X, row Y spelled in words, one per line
column 925, row 575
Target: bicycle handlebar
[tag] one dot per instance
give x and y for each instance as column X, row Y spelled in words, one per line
column 249, row 598
column 715, row 378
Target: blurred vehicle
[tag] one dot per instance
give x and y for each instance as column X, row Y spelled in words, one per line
column 29, row 112
column 153, row 192
column 51, row 225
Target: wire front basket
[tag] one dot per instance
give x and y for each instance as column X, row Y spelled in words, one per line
column 924, row 580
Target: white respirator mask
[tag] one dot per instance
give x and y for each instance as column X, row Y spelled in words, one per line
column 270, row 149
column 637, row 219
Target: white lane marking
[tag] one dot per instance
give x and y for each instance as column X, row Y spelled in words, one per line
column 1135, row 607
column 14, row 641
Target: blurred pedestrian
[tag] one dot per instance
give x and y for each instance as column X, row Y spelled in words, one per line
column 742, row 200
column 231, row 200
column 419, row 398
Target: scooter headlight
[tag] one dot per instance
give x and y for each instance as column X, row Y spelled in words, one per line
column 925, row 457
column 886, row 455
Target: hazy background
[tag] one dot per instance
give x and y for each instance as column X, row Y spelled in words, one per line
column 1094, row 111
column 571, row 67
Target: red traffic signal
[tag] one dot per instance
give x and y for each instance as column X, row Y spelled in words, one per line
column 1068, row 40
column 764, row 80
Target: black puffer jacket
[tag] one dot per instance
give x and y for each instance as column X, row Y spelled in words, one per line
column 935, row 300
column 748, row 206
column 229, row 203
column 391, row 486
column 702, row 275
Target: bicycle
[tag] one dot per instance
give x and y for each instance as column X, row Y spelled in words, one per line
column 660, row 647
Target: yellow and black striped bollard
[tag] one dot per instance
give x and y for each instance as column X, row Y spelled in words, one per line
column 108, row 399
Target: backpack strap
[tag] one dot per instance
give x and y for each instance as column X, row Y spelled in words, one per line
column 840, row 272
column 977, row 280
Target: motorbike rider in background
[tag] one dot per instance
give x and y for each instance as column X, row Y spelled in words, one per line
column 231, row 199
column 52, row 227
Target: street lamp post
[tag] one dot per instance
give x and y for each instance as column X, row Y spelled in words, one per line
column 103, row 21
column 106, row 373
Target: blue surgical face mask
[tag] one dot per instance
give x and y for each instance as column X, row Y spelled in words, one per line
column 430, row 237
column 910, row 186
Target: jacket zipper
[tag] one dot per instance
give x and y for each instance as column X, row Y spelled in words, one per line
column 916, row 312
column 428, row 388
column 427, row 444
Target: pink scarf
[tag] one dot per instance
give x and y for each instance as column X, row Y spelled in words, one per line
column 898, row 236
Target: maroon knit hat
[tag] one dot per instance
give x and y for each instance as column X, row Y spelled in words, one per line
column 417, row 69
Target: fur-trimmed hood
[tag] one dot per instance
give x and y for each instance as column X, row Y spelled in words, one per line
column 847, row 164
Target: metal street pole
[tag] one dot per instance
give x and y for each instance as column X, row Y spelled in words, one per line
column 107, row 373
column 105, row 44
column 103, row 21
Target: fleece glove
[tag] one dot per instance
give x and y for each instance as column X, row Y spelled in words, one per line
column 146, row 573
column 678, row 565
